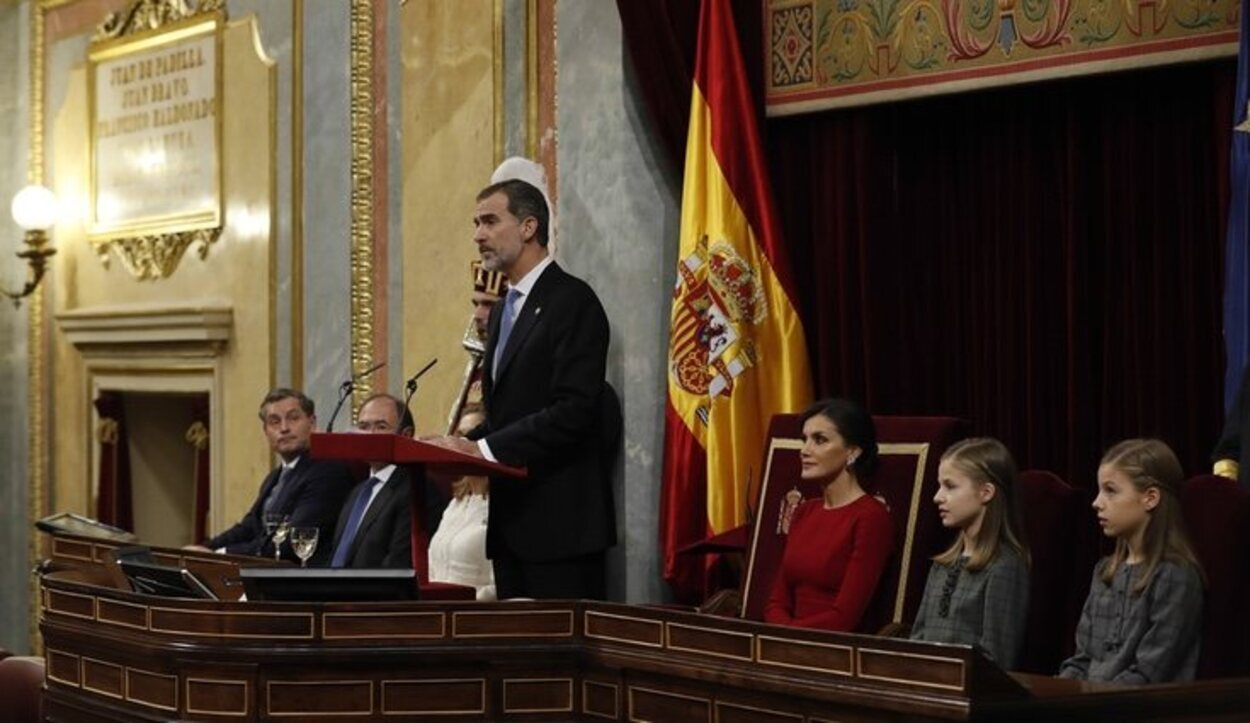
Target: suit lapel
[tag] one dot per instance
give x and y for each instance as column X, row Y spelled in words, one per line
column 297, row 473
column 530, row 314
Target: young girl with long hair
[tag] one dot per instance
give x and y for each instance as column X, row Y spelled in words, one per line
column 1142, row 619
column 977, row 592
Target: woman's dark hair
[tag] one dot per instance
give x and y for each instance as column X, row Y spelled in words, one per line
column 856, row 428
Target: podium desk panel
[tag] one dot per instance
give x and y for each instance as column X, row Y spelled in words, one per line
column 114, row 655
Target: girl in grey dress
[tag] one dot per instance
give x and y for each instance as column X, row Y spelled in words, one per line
column 1142, row 621
column 978, row 590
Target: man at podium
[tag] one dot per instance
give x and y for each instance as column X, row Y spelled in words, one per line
column 300, row 492
column 542, row 382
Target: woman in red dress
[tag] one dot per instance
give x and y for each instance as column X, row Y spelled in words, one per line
column 840, row 543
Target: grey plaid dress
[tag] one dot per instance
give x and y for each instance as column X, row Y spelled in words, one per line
column 987, row 608
column 1153, row 637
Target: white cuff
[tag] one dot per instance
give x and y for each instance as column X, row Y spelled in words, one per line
column 484, row 448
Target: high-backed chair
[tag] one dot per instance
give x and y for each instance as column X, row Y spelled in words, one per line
column 1053, row 512
column 21, row 689
column 1217, row 513
column 906, row 480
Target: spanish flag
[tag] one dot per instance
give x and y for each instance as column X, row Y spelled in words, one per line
column 737, row 354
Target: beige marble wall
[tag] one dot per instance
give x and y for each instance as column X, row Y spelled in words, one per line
column 448, row 155
column 236, row 274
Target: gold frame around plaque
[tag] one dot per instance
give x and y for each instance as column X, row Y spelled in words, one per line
column 151, row 248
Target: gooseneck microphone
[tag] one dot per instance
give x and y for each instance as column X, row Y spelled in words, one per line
column 346, row 389
column 411, row 384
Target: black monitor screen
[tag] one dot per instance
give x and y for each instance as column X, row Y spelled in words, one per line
column 163, row 580
column 297, row 584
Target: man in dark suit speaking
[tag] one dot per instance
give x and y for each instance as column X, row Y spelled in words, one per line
column 543, row 385
column 306, row 492
column 375, row 526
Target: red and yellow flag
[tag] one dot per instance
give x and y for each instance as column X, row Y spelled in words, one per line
column 737, row 354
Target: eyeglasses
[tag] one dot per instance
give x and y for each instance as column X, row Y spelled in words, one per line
column 948, row 587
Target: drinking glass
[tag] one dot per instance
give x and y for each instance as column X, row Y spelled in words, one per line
column 278, row 526
column 304, row 541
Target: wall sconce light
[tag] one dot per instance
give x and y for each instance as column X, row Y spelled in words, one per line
column 34, row 210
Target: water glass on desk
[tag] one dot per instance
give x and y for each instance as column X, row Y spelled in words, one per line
column 277, row 526
column 304, row 541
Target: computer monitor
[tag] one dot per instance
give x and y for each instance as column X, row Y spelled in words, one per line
column 299, row 584
column 152, row 578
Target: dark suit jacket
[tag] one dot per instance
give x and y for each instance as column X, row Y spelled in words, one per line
column 543, row 410
column 312, row 496
column 1234, row 442
column 385, row 535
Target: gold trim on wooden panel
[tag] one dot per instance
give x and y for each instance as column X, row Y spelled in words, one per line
column 586, row 622
column 442, row 626
column 70, row 613
column 436, row 711
column 247, row 694
column 141, row 701
column 296, row 374
column 121, row 677
column 456, row 615
column 665, row 694
column 50, row 668
column 61, row 546
column 668, row 640
column 850, row 651
column 616, row 699
column 530, row 681
column 258, row 636
column 921, row 450
column 318, row 713
column 963, row 669
column 36, row 339
column 101, row 604
column 362, row 197
column 778, row 713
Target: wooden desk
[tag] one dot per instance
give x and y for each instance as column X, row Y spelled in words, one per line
column 114, row 655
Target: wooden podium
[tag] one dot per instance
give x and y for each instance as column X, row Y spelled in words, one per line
column 114, row 655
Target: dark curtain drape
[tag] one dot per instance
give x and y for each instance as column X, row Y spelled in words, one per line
column 1044, row 259
column 113, row 496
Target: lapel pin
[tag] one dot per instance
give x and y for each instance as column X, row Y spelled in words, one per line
column 538, row 311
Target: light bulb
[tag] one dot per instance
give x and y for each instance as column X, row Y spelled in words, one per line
column 34, row 208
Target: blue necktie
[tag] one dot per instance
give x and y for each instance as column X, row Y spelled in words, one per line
column 505, row 327
column 353, row 523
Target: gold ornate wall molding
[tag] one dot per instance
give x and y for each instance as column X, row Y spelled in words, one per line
column 362, row 199
column 148, row 15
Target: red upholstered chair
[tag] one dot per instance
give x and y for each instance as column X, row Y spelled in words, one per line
column 1217, row 513
column 21, row 689
column 906, row 479
column 1054, row 513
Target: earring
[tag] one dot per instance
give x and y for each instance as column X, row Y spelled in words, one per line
column 850, row 461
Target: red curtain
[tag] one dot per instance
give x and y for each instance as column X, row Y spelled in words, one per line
column 1044, row 260
column 113, row 498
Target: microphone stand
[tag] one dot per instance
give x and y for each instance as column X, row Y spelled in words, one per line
column 411, row 385
column 346, row 389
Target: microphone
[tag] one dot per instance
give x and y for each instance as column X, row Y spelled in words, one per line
column 346, row 388
column 411, row 384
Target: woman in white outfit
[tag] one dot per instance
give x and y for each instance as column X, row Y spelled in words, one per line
column 458, row 549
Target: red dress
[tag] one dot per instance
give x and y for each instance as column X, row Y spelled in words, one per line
column 831, row 565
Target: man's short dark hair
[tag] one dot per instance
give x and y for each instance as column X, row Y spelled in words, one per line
column 280, row 393
column 524, row 200
column 402, row 413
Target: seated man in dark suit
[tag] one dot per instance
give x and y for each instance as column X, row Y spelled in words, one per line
column 307, row 492
column 375, row 525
